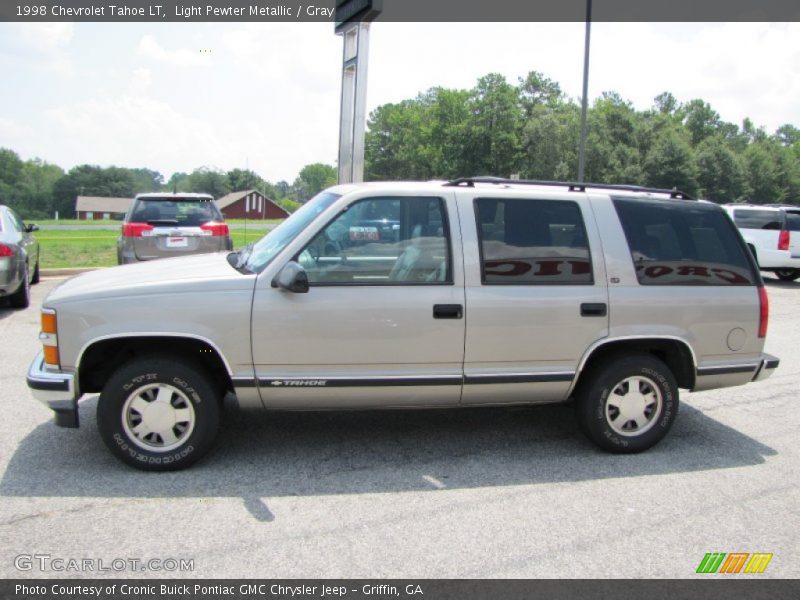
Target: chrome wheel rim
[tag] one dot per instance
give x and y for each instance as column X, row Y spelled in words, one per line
column 158, row 417
column 633, row 406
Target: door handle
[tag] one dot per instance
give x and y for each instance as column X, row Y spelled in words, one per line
column 448, row 311
column 599, row 309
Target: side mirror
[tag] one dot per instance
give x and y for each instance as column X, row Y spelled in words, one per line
column 292, row 278
column 30, row 228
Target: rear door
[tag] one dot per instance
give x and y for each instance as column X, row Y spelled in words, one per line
column 178, row 226
column 536, row 294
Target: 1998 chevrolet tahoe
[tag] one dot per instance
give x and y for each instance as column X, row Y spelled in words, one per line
column 487, row 292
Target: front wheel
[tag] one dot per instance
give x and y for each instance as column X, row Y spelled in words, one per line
column 159, row 414
column 628, row 404
column 787, row 274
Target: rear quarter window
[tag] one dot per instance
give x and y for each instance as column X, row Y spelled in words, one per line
column 758, row 219
column 683, row 243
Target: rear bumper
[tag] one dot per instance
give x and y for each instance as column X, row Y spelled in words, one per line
column 766, row 367
column 55, row 390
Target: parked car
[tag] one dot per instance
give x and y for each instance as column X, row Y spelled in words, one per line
column 168, row 225
column 494, row 292
column 768, row 231
column 19, row 258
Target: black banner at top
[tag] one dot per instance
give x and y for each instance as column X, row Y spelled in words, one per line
column 400, row 10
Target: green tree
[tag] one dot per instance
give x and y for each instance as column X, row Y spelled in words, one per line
column 312, row 180
column 670, row 163
column 700, row 119
column 491, row 139
column 91, row 180
column 206, row 180
column 719, row 171
column 245, row 179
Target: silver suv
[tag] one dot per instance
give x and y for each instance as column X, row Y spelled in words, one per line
column 476, row 292
column 169, row 225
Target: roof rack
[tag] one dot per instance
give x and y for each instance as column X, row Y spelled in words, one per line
column 573, row 186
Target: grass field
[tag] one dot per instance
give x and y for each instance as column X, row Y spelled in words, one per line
column 87, row 248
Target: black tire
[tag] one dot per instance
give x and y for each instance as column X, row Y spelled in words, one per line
column 596, row 414
column 22, row 297
column 787, row 274
column 187, row 390
column 36, row 277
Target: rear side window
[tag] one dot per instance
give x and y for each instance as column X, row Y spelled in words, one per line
column 758, row 219
column 793, row 221
column 683, row 243
column 183, row 213
column 532, row 242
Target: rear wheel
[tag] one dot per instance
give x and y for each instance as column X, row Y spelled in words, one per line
column 628, row 404
column 787, row 274
column 159, row 414
column 22, row 297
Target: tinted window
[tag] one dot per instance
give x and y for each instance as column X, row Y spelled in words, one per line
column 684, row 243
column 16, row 222
column 183, row 213
column 793, row 221
column 758, row 219
column 382, row 241
column 532, row 242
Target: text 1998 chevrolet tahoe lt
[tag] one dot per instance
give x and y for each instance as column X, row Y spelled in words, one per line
column 476, row 292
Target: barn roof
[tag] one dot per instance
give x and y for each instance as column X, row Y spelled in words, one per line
column 233, row 197
column 102, row 204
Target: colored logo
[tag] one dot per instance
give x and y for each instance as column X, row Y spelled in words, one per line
column 734, row 563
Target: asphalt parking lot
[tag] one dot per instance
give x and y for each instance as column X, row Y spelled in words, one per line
column 464, row 494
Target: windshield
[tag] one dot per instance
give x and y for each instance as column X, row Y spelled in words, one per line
column 268, row 247
column 166, row 211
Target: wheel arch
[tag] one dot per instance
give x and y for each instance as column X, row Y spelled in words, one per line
column 676, row 353
column 100, row 357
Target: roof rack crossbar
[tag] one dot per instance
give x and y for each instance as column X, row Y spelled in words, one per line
column 572, row 186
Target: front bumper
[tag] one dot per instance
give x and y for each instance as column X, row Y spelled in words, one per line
column 766, row 367
column 55, row 390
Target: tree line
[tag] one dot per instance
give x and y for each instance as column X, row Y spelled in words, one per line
column 532, row 129
column 37, row 189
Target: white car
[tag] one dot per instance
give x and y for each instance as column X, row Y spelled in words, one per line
column 773, row 235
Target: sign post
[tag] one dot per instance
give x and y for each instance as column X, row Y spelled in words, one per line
column 352, row 23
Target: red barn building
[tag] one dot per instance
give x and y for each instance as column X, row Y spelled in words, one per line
column 249, row 204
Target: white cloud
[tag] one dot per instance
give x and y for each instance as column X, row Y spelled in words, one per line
column 136, row 130
column 141, row 80
column 150, row 48
column 43, row 43
column 11, row 131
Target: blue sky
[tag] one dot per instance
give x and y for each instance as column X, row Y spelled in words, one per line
column 267, row 95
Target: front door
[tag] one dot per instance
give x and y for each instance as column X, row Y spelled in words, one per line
column 383, row 322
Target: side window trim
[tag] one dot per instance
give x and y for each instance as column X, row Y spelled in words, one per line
column 481, row 265
column 450, row 280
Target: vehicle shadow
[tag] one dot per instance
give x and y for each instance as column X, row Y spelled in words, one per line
column 778, row 283
column 5, row 309
column 263, row 455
